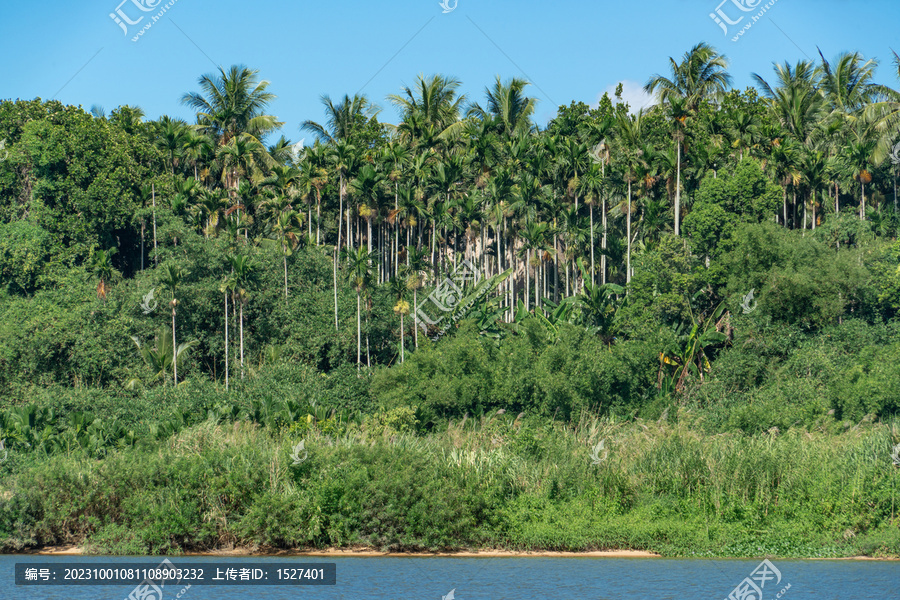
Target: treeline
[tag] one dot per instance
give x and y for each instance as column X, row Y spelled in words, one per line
column 136, row 253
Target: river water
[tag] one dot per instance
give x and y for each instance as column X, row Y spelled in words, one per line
column 502, row 578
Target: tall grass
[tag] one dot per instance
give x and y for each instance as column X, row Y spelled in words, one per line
column 497, row 481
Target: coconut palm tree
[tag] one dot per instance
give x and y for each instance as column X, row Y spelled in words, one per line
column 795, row 101
column 701, row 75
column 343, row 119
column 233, row 103
column 510, row 110
column 429, row 108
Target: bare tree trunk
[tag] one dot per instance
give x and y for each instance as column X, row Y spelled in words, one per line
column 226, row 340
column 628, row 234
column 335, row 286
column 174, row 346
column 678, row 194
column 155, row 257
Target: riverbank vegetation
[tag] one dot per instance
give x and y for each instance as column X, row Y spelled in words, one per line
column 672, row 330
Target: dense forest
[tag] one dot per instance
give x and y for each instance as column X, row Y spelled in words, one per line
column 671, row 329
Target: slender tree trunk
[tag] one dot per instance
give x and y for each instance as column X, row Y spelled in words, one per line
column 285, row 277
column 144, row 227
column 603, row 244
column 318, row 215
column 862, row 202
column 155, row 257
column 335, row 287
column 340, row 216
column 358, row 336
column 628, row 234
column 242, row 337
column 784, row 204
column 174, row 346
column 401, row 337
column 678, row 193
column 593, row 281
column 415, row 312
column 226, row 340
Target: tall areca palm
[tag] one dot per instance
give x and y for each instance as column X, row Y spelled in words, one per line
column 171, row 276
column 359, row 274
column 629, row 156
column 284, row 237
column 242, row 270
column 591, row 187
column 701, row 75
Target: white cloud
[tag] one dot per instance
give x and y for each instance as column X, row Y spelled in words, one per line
column 632, row 92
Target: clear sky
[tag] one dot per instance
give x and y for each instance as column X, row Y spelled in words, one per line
column 75, row 52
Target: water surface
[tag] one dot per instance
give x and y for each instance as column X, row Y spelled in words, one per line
column 503, row 578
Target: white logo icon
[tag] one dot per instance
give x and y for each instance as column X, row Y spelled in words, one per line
column 745, row 305
column 5, row 451
column 296, row 453
column 596, row 459
column 743, row 5
column 121, row 18
column 4, row 153
column 450, row 595
column 445, row 4
column 895, row 455
column 145, row 304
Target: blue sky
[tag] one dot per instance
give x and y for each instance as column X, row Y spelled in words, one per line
column 569, row 50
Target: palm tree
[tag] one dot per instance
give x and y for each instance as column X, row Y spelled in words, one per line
column 701, row 75
column 171, row 276
column 227, row 287
column 343, row 119
column 591, row 187
column 796, row 100
column 417, row 266
column 233, row 103
column 101, row 263
column 242, row 270
column 399, row 287
column 171, row 137
column 359, row 273
column 284, row 237
column 507, row 105
column 629, row 155
column 429, row 108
